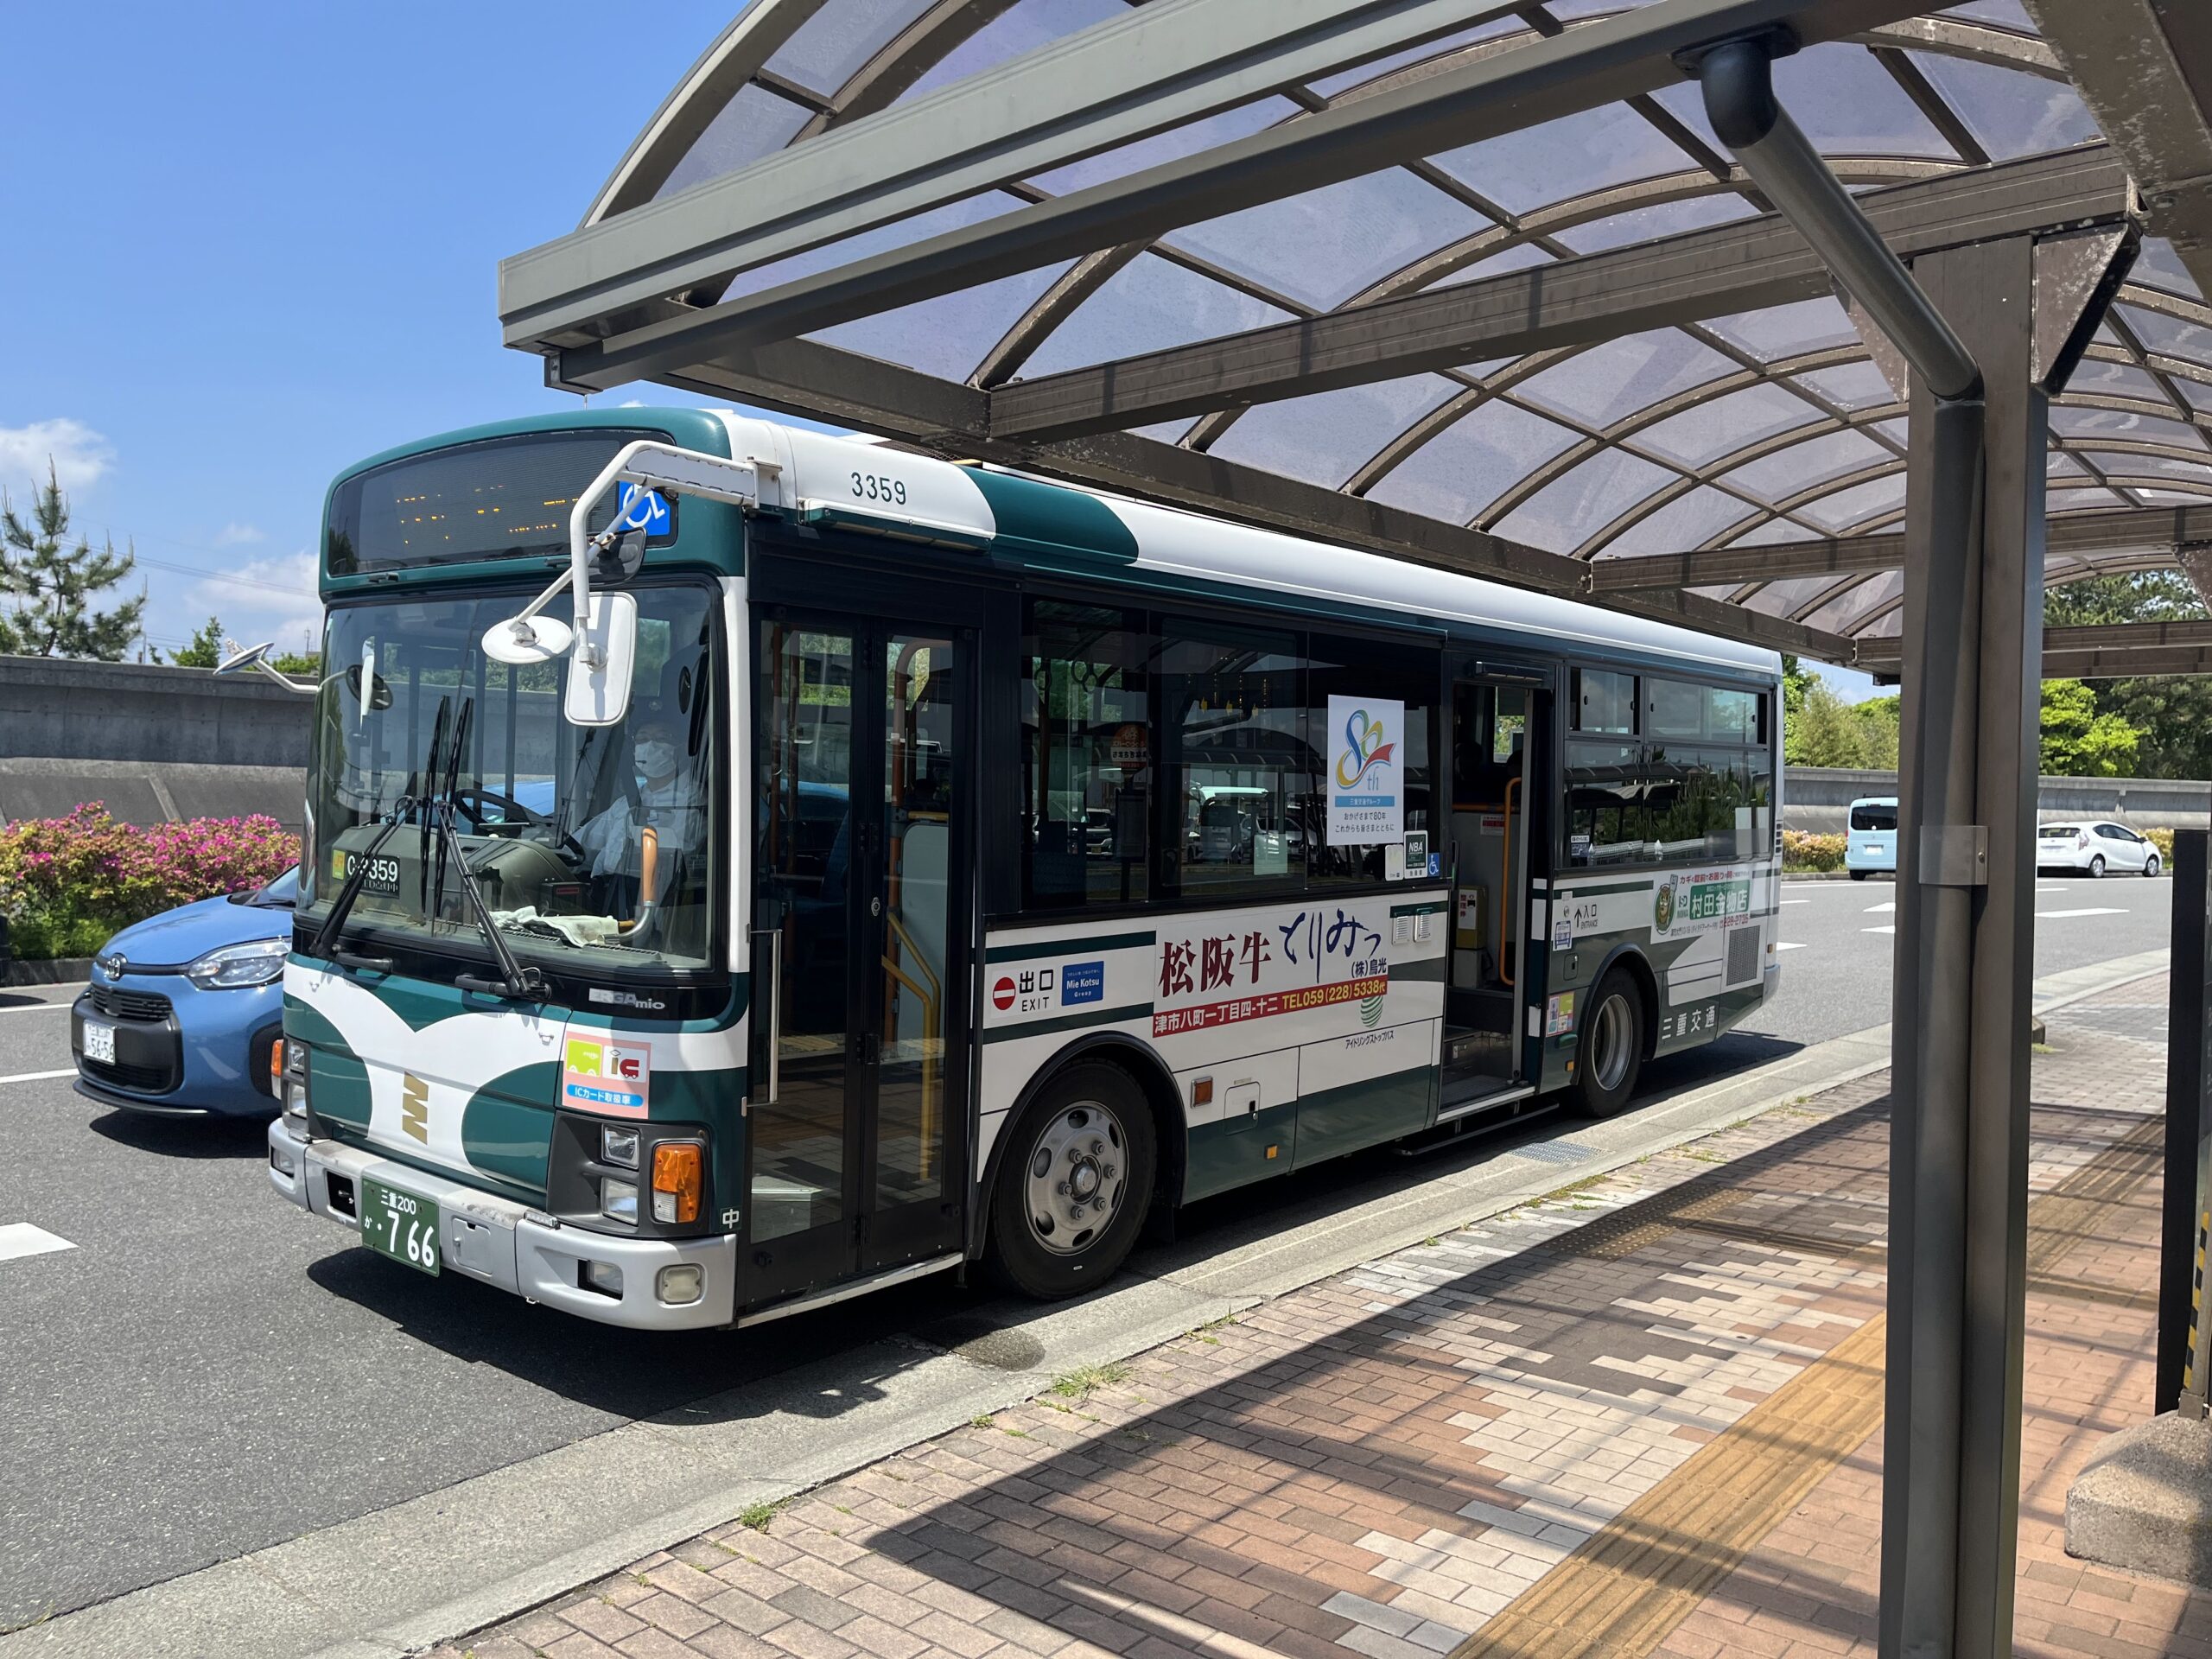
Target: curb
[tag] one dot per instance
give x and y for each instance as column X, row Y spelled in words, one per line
column 59, row 970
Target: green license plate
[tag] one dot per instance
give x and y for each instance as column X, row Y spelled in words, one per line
column 399, row 1224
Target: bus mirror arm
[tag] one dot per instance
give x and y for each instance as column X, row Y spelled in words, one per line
column 528, row 636
column 238, row 658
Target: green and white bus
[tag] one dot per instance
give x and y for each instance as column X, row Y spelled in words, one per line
column 747, row 867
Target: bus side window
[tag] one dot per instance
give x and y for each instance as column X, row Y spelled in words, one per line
column 1086, row 758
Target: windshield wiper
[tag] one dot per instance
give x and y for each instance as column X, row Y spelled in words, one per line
column 357, row 870
column 515, row 980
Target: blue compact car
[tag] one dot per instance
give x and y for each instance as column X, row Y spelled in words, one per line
column 184, row 1007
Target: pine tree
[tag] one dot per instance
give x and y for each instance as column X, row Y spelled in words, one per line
column 54, row 585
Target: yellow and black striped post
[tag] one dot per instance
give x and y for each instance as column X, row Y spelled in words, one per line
column 2197, row 1369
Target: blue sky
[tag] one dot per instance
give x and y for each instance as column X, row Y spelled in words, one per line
column 254, row 242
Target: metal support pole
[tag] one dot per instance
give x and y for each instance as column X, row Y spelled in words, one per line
column 2189, row 1112
column 1965, row 943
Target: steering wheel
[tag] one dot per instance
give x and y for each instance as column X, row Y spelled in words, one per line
column 472, row 801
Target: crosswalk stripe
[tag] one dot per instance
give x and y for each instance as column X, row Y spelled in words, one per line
column 39, row 1076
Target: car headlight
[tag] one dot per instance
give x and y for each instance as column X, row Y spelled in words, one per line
column 237, row 965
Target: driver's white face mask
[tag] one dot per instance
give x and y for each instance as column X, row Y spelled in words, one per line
column 656, row 760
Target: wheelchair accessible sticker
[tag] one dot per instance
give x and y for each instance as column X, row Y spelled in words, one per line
column 635, row 510
column 608, row 1078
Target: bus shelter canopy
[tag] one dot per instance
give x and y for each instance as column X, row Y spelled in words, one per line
column 1474, row 284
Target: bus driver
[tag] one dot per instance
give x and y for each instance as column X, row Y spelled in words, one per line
column 666, row 808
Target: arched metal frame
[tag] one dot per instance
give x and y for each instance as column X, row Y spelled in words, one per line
column 919, row 35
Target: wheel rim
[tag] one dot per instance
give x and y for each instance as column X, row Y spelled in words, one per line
column 1611, row 1043
column 2151, row 867
column 2097, row 868
column 1078, row 1168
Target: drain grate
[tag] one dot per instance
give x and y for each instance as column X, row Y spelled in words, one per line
column 1556, row 1152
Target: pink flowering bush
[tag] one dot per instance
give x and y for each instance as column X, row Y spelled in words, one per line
column 66, row 884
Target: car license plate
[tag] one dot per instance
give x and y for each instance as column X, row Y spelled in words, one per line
column 100, row 1041
column 399, row 1224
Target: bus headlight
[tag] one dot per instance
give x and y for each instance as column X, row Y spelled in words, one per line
column 292, row 1083
column 237, row 966
column 618, row 1200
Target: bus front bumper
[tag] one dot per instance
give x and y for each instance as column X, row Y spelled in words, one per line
column 502, row 1243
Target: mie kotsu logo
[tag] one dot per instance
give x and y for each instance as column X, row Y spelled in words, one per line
column 1663, row 907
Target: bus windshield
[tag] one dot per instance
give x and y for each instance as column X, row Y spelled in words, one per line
column 591, row 847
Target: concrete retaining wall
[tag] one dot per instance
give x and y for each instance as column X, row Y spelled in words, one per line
column 1817, row 799
column 155, row 744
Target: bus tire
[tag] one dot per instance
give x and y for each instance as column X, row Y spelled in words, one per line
column 1075, row 1183
column 1610, row 1047
column 1858, row 875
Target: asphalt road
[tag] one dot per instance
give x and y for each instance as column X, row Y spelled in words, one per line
column 205, row 1370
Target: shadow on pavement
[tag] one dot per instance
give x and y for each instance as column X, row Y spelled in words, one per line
column 704, row 1375
column 1243, row 1483
column 243, row 1140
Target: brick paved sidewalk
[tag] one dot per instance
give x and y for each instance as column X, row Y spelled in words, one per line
column 1639, row 1417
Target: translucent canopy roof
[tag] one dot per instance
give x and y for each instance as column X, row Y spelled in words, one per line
column 1770, row 428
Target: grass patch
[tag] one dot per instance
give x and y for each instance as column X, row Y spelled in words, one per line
column 758, row 1516
column 1085, row 1380
column 981, row 1419
column 1573, row 1187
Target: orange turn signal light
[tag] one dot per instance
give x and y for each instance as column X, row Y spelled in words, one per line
column 276, row 1061
column 1202, row 1092
column 679, row 1178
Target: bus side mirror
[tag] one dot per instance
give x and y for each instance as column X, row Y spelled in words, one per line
column 602, row 662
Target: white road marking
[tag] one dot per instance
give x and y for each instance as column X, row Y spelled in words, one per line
column 21, row 1238
column 1881, row 909
column 1786, row 946
column 39, row 1076
column 1877, row 930
column 35, row 1008
column 1796, row 901
column 2101, row 910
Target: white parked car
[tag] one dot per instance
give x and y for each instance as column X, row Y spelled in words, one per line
column 2094, row 846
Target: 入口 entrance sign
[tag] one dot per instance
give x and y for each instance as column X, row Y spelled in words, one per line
column 1367, row 799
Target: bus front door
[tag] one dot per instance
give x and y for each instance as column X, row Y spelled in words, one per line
column 856, row 1116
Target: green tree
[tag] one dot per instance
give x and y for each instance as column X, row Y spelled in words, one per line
column 2171, row 716
column 2145, row 596
column 299, row 664
column 1877, row 719
column 204, row 649
column 1826, row 731
column 2078, row 741
column 1795, row 676
column 54, row 585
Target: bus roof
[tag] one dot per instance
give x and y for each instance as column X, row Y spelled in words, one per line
column 864, row 485
column 993, row 505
